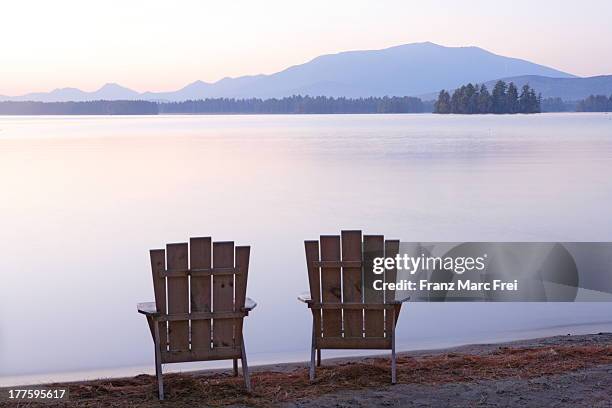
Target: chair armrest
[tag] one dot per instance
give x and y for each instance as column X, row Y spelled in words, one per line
column 400, row 301
column 249, row 304
column 147, row 308
column 150, row 309
column 305, row 297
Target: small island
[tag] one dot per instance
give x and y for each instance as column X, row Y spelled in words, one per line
column 474, row 99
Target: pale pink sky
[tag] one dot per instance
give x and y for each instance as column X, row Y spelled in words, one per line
column 151, row 45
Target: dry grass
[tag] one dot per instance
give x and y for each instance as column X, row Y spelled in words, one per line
column 270, row 387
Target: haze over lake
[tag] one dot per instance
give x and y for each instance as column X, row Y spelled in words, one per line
column 85, row 198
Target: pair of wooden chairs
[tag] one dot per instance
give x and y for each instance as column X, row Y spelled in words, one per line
column 200, row 300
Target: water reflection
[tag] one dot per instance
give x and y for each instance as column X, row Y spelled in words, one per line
column 83, row 199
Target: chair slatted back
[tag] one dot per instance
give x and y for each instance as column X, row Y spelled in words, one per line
column 347, row 311
column 201, row 258
column 330, row 285
column 391, row 250
column 200, row 293
column 223, row 294
column 158, row 268
column 178, row 295
column 352, row 283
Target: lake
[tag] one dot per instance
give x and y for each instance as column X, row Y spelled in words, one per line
column 85, row 198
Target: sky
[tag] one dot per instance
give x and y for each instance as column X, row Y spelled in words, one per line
column 151, row 45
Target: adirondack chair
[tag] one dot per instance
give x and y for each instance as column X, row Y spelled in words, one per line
column 201, row 316
column 347, row 313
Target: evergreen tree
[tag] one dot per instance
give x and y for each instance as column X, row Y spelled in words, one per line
column 529, row 102
column 532, row 102
column 524, row 99
column 443, row 104
column 512, row 99
column 456, row 100
column 498, row 98
column 471, row 99
column 484, row 100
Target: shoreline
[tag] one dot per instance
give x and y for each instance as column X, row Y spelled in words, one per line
column 77, row 115
column 272, row 359
column 343, row 379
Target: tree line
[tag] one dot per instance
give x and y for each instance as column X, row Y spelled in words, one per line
column 79, row 108
column 556, row 104
column 595, row 103
column 297, row 104
column 467, row 99
column 474, row 98
column 288, row 105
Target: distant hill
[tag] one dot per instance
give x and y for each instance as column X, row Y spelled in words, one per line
column 107, row 92
column 405, row 70
column 568, row 89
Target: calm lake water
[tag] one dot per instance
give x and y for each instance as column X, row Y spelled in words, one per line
column 85, row 198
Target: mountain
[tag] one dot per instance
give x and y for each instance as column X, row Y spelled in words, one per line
column 107, row 92
column 194, row 90
column 411, row 69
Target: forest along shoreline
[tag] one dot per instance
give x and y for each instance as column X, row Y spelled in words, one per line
column 468, row 99
column 571, row 370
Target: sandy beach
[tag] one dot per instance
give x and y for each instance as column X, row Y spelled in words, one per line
column 556, row 371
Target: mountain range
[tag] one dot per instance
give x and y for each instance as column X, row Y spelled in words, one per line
column 418, row 69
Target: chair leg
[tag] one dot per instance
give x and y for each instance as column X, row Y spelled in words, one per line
column 245, row 368
column 158, row 364
column 393, row 365
column 160, row 381
column 318, row 357
column 313, row 350
column 235, row 367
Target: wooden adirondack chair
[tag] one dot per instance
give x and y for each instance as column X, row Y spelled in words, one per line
column 201, row 316
column 347, row 313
